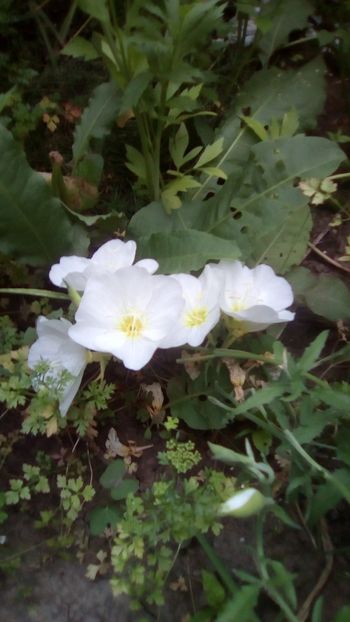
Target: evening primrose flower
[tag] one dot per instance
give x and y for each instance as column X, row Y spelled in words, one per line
column 74, row 271
column 65, row 360
column 257, row 297
column 127, row 314
column 201, row 311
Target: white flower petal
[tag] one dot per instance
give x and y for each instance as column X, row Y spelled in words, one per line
column 115, row 254
column 67, row 267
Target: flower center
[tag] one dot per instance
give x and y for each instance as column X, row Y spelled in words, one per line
column 238, row 305
column 131, row 326
column 196, row 317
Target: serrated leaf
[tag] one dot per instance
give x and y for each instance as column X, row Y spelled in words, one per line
column 183, row 251
column 80, row 48
column 312, row 353
column 33, row 227
column 134, row 91
column 97, row 118
column 113, row 474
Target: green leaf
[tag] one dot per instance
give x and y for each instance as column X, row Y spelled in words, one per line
column 241, row 606
column 178, row 145
column 113, row 474
column 125, row 488
column 80, row 48
column 256, row 127
column 327, row 496
column 343, row 615
column 135, row 90
column 343, row 445
column 136, row 162
column 96, row 119
column 317, row 611
column 210, row 153
column 33, row 226
column 324, row 295
column 213, row 590
column 101, row 518
column 285, row 16
column 183, row 251
column 312, row 352
column 270, row 94
column 283, row 581
column 95, row 9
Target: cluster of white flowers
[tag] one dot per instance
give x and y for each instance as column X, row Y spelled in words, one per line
column 128, row 311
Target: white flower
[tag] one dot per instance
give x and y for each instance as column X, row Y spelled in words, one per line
column 61, row 354
column 243, row 503
column 255, row 296
column 127, row 314
column 109, row 258
column 201, row 311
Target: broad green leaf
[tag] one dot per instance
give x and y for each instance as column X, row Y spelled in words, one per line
column 270, row 94
column 95, row 9
column 183, row 251
column 113, row 474
column 285, row 246
column 285, row 16
column 324, row 295
column 34, row 227
column 125, row 488
column 101, row 518
column 97, row 118
column 290, row 123
column 80, row 48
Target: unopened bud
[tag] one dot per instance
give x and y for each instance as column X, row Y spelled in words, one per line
column 243, row 503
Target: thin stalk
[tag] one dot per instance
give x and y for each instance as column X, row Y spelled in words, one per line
column 67, row 22
column 274, row 594
column 228, row 353
column 217, row 563
column 339, row 176
column 42, row 293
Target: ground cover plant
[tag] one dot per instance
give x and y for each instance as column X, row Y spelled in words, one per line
column 174, row 242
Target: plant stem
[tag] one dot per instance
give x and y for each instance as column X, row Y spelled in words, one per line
column 262, row 567
column 217, row 563
column 43, row 293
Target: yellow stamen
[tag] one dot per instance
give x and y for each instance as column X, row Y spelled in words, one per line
column 131, row 325
column 196, row 317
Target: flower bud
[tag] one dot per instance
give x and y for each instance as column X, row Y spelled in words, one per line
column 243, row 503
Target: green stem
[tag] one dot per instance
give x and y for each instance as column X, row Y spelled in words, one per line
column 42, row 293
column 67, row 22
column 339, row 176
column 262, row 567
column 228, row 353
column 217, row 563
